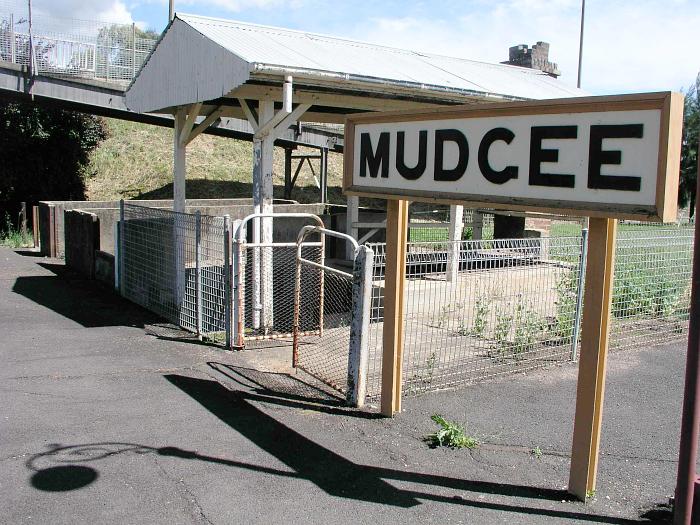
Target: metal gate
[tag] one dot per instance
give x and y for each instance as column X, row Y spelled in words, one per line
column 263, row 284
column 331, row 316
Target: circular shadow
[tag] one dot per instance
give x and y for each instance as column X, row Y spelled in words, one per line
column 64, row 478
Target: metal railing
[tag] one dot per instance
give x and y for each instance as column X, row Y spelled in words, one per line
column 263, row 273
column 70, row 47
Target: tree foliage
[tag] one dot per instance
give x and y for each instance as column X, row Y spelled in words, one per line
column 689, row 147
column 44, row 153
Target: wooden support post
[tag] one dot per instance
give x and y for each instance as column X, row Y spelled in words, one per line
column 179, row 160
column 395, row 278
column 593, row 359
column 288, row 173
column 455, row 237
column 179, row 171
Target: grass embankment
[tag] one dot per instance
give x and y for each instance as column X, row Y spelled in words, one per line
column 136, row 161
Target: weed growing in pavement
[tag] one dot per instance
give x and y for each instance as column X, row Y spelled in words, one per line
column 537, row 452
column 450, row 435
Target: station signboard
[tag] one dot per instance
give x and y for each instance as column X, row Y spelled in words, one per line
column 612, row 156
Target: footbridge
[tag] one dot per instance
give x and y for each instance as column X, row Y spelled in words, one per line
column 106, row 98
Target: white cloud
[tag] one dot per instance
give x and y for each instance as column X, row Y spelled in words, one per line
column 110, row 10
column 235, row 6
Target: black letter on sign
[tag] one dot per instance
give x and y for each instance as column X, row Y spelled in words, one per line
column 419, row 168
column 539, row 155
column 450, row 135
column 491, row 175
column 374, row 159
column 597, row 157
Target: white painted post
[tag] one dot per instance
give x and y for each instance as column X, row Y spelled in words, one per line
column 179, row 170
column 455, row 238
column 358, row 356
column 352, row 216
column 179, row 162
column 236, row 286
column 262, row 228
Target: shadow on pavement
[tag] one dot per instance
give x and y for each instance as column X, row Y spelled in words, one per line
column 339, row 476
column 84, row 301
column 63, row 468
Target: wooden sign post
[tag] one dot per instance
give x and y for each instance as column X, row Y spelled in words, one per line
column 601, row 157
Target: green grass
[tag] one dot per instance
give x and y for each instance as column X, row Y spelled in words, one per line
column 428, row 234
column 13, row 237
column 136, row 161
column 450, row 435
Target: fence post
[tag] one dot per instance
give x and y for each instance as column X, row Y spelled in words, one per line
column 198, row 268
column 227, row 280
column 121, row 247
column 133, row 49
column 455, row 242
column 579, row 294
column 358, row 356
column 13, row 57
column 237, row 287
column 35, row 225
column 53, row 251
column 297, row 306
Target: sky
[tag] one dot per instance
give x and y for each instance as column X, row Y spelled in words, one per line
column 629, row 45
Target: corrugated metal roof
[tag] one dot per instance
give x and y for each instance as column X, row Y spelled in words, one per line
column 263, row 46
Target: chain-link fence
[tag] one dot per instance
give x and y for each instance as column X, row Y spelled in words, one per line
column 176, row 265
column 275, row 319
column 77, row 48
column 325, row 314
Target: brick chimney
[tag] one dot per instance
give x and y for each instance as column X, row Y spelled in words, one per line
column 536, row 57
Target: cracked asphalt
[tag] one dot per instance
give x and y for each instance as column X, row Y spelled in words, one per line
column 104, row 419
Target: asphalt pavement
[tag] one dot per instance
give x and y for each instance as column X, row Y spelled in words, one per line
column 106, row 416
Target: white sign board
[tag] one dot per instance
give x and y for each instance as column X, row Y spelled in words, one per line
column 598, row 156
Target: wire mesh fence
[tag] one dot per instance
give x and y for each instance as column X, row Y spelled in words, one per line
column 174, row 264
column 510, row 307
column 651, row 287
column 78, row 48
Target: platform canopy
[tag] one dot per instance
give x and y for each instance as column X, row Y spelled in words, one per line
column 203, row 69
column 217, row 62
